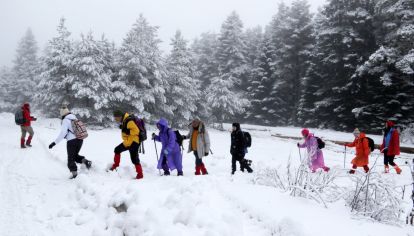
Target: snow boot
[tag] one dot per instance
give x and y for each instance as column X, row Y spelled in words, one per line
column 398, row 169
column 140, row 174
column 203, row 169
column 29, row 141
column 352, row 172
column 87, row 163
column 198, row 170
column 22, row 143
column 386, row 169
column 366, row 169
column 117, row 160
column 326, row 169
column 180, row 173
column 166, row 172
column 74, row 174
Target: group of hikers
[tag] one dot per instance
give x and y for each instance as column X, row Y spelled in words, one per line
column 390, row 148
column 133, row 134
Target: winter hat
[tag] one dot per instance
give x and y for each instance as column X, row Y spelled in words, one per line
column 118, row 113
column 305, row 132
column 196, row 122
column 390, row 123
column 64, row 111
column 356, row 131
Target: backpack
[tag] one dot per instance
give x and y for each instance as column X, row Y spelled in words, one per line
column 321, row 143
column 19, row 117
column 178, row 137
column 141, row 126
column 371, row 144
column 79, row 129
column 247, row 139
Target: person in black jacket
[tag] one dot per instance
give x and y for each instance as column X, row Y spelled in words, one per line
column 238, row 149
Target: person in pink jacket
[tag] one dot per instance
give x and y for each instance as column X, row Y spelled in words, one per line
column 315, row 155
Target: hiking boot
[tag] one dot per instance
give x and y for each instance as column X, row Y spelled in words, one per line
column 198, row 170
column 166, row 172
column 352, row 172
column 326, row 169
column 386, row 169
column 87, row 163
column 180, row 173
column 203, row 169
column 29, row 141
column 117, row 160
column 398, row 169
column 140, row 173
column 22, row 143
column 74, row 174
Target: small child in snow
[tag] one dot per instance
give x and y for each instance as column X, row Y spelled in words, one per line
column 315, row 155
column 362, row 151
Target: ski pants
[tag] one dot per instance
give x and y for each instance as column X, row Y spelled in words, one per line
column 25, row 130
column 237, row 158
column 73, row 148
column 198, row 160
column 389, row 159
column 133, row 151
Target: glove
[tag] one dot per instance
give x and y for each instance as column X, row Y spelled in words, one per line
column 153, row 136
column 165, row 152
column 206, row 154
column 34, row 119
column 52, row 145
column 298, row 144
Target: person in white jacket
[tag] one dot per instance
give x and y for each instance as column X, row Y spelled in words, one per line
column 73, row 144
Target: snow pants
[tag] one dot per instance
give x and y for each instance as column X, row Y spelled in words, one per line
column 73, row 148
column 133, row 151
column 389, row 159
column 25, row 130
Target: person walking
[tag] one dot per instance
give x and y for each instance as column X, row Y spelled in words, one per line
column 170, row 156
column 73, row 144
column 362, row 151
column 390, row 146
column 130, row 137
column 238, row 149
column 315, row 154
column 199, row 144
column 26, row 127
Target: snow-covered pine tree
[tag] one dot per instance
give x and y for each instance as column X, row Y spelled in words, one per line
column 387, row 77
column 260, row 87
column 182, row 92
column 344, row 41
column 141, row 81
column 6, row 81
column 231, row 82
column 292, row 36
column 25, row 70
column 56, row 69
column 91, row 79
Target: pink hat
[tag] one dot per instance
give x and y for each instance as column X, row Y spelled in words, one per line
column 305, row 132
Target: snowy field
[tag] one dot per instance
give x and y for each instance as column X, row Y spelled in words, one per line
column 37, row 198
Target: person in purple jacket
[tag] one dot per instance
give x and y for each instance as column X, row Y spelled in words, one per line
column 315, row 155
column 170, row 157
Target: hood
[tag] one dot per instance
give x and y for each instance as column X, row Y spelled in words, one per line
column 26, row 106
column 70, row 116
column 163, row 123
column 362, row 135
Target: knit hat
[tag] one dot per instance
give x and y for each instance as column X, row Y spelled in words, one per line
column 356, row 131
column 64, row 111
column 305, row 132
column 118, row 113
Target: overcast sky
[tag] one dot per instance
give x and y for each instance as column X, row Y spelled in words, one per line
column 115, row 18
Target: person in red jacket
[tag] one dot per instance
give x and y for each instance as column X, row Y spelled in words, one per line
column 390, row 146
column 27, row 126
column 362, row 151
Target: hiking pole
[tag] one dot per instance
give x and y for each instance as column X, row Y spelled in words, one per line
column 300, row 155
column 156, row 153
column 344, row 156
column 211, row 152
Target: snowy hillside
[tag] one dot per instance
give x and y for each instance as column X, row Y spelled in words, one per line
column 37, row 198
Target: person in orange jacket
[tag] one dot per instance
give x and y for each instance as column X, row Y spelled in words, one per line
column 390, row 146
column 362, row 151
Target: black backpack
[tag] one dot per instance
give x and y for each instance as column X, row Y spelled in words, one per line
column 19, row 118
column 178, row 137
column 247, row 139
column 371, row 144
column 321, row 143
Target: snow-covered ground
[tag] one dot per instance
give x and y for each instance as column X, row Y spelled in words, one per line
column 37, row 198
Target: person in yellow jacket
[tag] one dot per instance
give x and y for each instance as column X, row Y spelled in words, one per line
column 130, row 137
